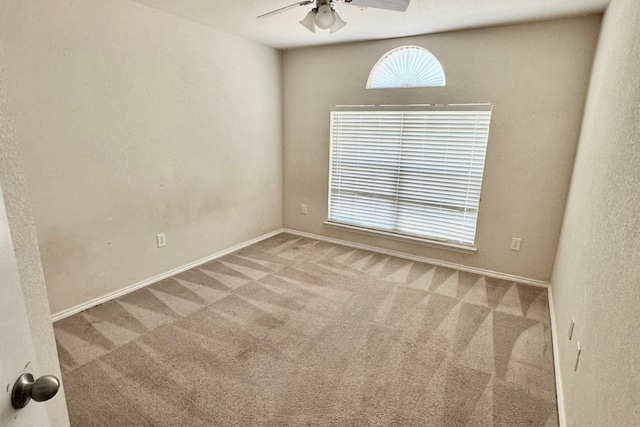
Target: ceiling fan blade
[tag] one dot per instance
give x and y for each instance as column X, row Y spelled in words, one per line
column 397, row 5
column 282, row 9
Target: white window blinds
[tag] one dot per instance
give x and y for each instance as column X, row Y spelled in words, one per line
column 410, row 170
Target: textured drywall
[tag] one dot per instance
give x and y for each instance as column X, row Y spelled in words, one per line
column 536, row 76
column 135, row 122
column 25, row 244
column 596, row 278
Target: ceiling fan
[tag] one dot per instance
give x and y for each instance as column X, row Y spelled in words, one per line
column 325, row 17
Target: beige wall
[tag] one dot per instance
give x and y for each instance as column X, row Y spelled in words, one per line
column 596, row 279
column 25, row 244
column 536, row 76
column 134, row 122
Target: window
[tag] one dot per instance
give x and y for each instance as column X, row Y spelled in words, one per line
column 406, row 66
column 409, row 170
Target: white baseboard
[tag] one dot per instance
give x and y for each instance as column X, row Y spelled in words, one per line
column 108, row 297
column 431, row 261
column 562, row 418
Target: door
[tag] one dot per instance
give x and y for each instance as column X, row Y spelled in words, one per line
column 17, row 354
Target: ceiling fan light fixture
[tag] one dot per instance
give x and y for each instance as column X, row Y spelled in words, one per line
column 309, row 21
column 325, row 17
column 339, row 24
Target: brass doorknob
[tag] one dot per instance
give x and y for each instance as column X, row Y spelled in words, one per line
column 25, row 389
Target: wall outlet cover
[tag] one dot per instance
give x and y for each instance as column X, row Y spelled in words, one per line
column 516, row 242
column 571, row 328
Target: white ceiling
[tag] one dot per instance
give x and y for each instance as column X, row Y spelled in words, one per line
column 423, row 16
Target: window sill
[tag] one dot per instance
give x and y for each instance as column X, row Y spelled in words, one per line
column 470, row 250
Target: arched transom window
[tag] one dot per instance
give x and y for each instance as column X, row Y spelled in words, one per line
column 407, row 66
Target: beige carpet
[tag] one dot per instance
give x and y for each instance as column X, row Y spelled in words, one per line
column 293, row 331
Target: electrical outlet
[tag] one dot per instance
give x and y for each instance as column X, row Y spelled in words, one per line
column 303, row 209
column 162, row 240
column 516, row 242
column 578, row 357
column 571, row 328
